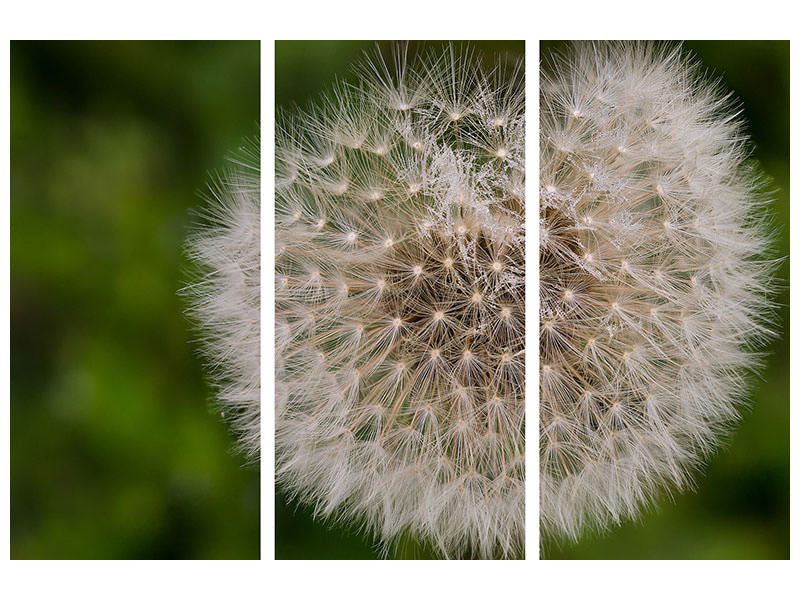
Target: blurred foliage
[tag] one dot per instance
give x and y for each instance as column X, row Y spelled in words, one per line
column 740, row 509
column 303, row 70
column 115, row 450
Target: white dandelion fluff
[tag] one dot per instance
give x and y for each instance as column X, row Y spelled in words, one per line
column 226, row 295
column 400, row 303
column 654, row 291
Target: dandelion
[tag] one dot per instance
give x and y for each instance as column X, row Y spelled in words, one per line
column 226, row 296
column 654, row 290
column 400, row 303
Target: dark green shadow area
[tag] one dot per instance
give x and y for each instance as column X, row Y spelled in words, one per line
column 115, row 450
column 299, row 537
column 740, row 509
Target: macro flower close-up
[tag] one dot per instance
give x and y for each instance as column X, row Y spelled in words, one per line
column 399, row 285
column 657, row 281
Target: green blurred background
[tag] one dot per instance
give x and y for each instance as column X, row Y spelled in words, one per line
column 741, row 507
column 304, row 69
column 115, row 450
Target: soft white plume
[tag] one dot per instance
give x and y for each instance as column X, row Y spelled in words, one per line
column 226, row 294
column 400, row 303
column 654, row 290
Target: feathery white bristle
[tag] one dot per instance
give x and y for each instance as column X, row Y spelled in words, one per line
column 225, row 300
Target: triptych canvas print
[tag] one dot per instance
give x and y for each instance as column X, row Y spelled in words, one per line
column 490, row 326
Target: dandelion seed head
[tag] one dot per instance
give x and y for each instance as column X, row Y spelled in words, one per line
column 645, row 335
column 417, row 445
